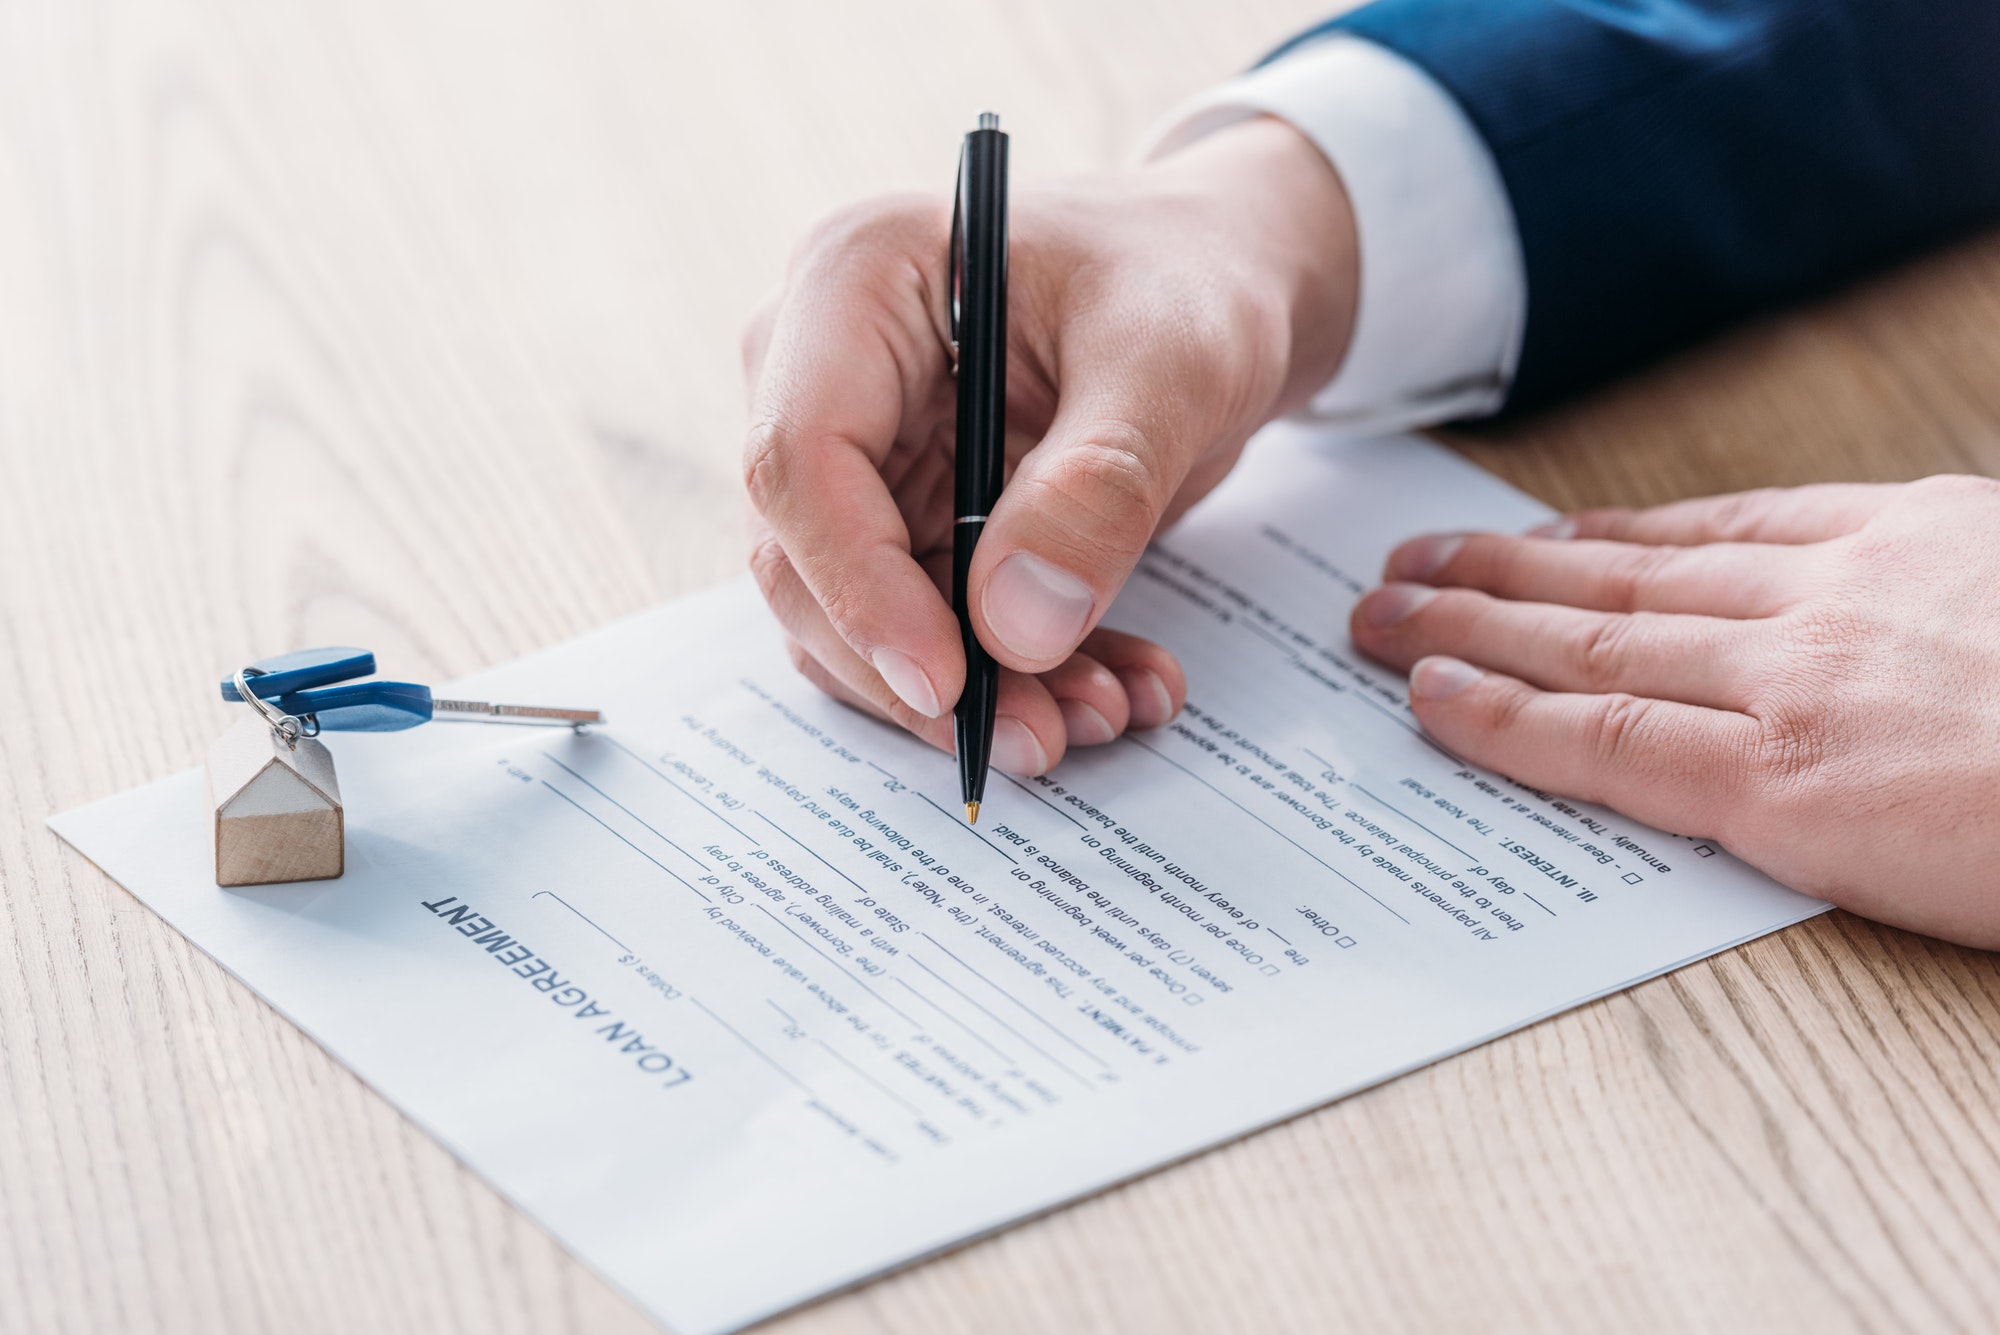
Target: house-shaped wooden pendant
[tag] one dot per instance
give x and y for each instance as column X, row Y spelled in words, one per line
column 276, row 808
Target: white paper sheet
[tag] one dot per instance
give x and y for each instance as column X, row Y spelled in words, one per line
column 728, row 999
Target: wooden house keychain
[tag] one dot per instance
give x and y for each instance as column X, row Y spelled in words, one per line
column 272, row 792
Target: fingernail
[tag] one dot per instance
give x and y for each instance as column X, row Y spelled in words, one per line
column 1421, row 558
column 1395, row 602
column 1560, row 529
column 907, row 680
column 1152, row 707
column 1439, row 678
column 1015, row 748
column 1085, row 726
column 1036, row 609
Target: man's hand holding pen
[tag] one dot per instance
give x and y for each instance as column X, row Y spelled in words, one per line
column 1156, row 319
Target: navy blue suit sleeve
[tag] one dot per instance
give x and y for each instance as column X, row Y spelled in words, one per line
column 1677, row 164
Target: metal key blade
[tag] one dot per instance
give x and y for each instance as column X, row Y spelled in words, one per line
column 478, row 711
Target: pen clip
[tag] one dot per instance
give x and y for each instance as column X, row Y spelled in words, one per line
column 955, row 256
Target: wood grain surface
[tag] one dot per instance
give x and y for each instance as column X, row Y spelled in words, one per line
column 413, row 325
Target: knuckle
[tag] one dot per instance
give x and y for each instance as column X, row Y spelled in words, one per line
column 1618, row 726
column 1740, row 516
column 1492, row 560
column 1504, row 709
column 1791, row 743
column 845, row 602
column 1630, row 581
column 1883, row 542
column 840, row 230
column 862, row 229
column 769, row 565
column 766, row 460
column 1790, row 771
column 1794, row 755
column 1824, row 635
column 1956, row 486
column 1110, row 487
column 1615, row 522
column 1600, row 650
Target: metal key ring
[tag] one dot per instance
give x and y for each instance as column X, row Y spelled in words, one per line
column 284, row 726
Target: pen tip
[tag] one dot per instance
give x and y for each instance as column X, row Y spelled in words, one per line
column 972, row 813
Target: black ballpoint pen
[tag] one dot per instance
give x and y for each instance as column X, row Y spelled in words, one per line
column 979, row 353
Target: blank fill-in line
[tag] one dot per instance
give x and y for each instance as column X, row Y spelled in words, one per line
column 961, row 825
column 914, row 1110
column 677, row 788
column 659, row 833
column 1025, row 1008
column 585, row 916
column 1044, row 801
column 1290, row 650
column 1539, row 904
column 969, row 1031
column 1267, row 825
column 830, row 960
column 769, row 1060
column 1414, row 821
column 621, row 838
column 1002, row 1023
column 1324, row 761
column 809, row 852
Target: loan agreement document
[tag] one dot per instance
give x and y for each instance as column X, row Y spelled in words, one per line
column 727, row 997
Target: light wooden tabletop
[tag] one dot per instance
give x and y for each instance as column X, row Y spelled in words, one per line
column 413, row 325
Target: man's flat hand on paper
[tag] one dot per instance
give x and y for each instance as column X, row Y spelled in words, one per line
column 1810, row 676
column 1156, row 319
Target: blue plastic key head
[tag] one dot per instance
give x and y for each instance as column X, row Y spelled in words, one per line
column 302, row 670
column 361, row 706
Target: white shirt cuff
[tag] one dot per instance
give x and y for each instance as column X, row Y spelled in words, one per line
column 1443, row 292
